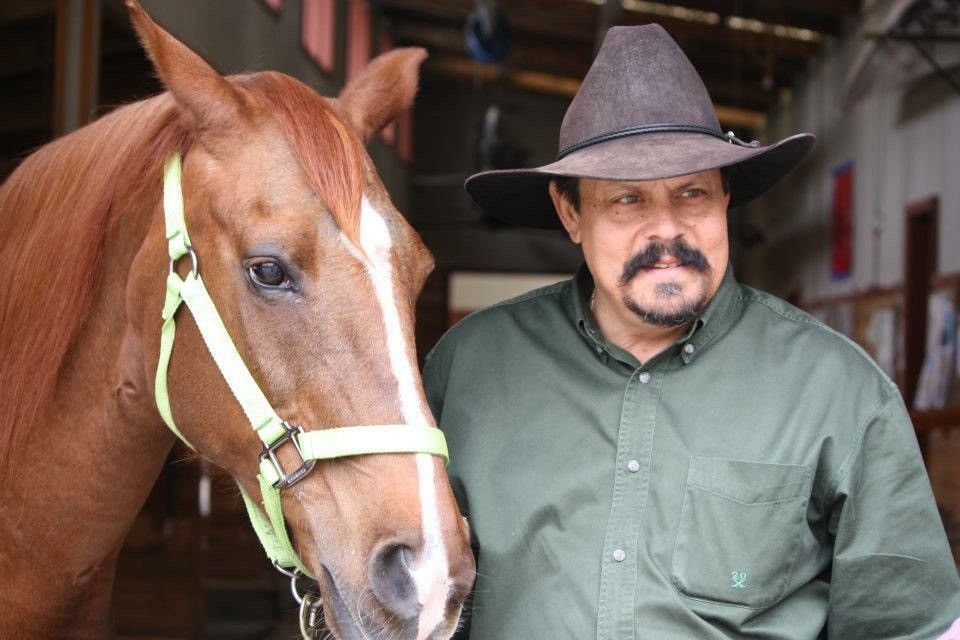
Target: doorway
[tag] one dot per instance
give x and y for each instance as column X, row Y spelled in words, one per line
column 920, row 265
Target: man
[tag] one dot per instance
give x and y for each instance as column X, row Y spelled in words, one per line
column 652, row 450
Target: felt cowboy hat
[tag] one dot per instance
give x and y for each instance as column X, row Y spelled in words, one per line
column 642, row 113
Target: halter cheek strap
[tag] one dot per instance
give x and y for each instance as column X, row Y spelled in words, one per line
column 273, row 432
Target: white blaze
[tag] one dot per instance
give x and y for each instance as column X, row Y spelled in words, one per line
column 430, row 573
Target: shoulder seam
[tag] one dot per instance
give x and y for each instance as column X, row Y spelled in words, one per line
column 813, row 322
column 557, row 288
column 551, row 289
column 847, row 463
column 889, row 388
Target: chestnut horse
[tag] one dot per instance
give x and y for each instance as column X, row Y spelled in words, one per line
column 314, row 274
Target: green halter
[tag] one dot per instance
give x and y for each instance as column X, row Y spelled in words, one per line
column 273, row 431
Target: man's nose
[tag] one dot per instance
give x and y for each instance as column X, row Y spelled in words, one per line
column 662, row 223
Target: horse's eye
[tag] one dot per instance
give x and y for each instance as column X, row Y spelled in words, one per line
column 269, row 274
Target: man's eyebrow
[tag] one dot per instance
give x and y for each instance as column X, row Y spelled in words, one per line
column 693, row 182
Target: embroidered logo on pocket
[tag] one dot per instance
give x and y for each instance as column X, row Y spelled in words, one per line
column 738, row 580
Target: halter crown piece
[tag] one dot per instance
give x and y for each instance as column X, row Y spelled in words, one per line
column 274, row 432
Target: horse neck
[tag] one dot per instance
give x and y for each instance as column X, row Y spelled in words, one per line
column 86, row 468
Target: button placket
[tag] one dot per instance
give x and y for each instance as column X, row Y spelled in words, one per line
column 619, row 570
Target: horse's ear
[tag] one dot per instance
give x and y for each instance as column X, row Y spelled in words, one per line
column 205, row 95
column 383, row 90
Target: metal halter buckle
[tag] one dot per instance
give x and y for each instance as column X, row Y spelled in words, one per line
column 287, row 479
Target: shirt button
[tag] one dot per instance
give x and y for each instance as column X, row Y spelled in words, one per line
column 599, row 349
column 644, row 378
column 619, row 555
column 689, row 348
column 633, row 466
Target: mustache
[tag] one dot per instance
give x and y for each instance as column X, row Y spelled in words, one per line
column 687, row 255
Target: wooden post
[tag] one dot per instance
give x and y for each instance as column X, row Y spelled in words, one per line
column 608, row 16
column 76, row 64
column 920, row 265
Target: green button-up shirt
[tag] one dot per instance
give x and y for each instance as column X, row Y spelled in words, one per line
column 759, row 478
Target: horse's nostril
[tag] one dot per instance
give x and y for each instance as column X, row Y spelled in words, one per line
column 391, row 581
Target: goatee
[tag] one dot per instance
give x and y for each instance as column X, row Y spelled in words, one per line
column 688, row 257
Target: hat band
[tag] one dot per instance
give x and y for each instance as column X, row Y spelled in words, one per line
column 655, row 128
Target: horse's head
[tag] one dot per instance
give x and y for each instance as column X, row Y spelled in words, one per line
column 315, row 275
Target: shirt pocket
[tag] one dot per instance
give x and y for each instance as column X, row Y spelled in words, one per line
column 740, row 530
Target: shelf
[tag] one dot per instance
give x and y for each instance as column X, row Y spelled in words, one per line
column 946, row 418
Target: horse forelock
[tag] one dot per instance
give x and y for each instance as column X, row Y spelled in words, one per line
column 329, row 152
column 56, row 210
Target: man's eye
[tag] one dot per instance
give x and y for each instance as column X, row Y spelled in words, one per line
column 693, row 193
column 628, row 199
column 269, row 274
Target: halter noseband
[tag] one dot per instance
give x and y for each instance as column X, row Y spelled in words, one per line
column 274, row 432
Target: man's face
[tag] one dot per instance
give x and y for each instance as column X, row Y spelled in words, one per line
column 659, row 246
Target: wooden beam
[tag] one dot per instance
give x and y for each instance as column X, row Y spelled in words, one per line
column 742, row 69
column 542, row 54
column 465, row 68
column 946, row 418
column 822, row 16
column 577, row 20
column 563, row 86
column 684, row 31
column 24, row 10
column 562, row 18
column 740, row 118
column 533, row 53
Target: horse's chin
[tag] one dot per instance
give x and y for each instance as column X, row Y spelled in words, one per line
column 337, row 616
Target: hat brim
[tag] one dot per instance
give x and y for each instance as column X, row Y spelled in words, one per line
column 521, row 196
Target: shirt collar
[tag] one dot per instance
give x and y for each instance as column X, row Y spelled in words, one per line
column 715, row 320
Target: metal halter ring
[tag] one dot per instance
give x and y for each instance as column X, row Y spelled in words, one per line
column 195, row 266
column 311, row 612
column 294, row 576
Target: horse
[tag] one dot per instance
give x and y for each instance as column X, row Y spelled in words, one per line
column 314, row 274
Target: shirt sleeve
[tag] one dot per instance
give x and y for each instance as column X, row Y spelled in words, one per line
column 893, row 575
column 434, row 381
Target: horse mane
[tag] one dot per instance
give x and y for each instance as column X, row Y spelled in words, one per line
column 58, row 206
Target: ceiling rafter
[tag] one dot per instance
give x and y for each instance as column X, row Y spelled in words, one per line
column 555, row 38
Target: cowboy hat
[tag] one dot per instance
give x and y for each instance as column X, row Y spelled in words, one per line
column 642, row 113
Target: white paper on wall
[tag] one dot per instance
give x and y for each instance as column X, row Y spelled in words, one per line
column 882, row 336
column 936, row 375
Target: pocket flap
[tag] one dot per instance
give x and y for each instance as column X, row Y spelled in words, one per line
column 749, row 482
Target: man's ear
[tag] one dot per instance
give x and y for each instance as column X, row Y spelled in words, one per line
column 569, row 216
